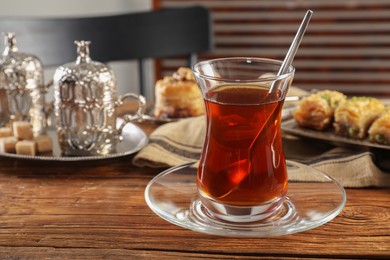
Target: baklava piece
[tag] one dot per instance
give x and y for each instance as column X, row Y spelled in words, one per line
column 379, row 131
column 317, row 110
column 178, row 96
column 354, row 117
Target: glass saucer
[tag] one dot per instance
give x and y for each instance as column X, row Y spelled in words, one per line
column 313, row 199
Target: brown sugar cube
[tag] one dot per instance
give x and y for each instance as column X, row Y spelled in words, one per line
column 22, row 130
column 13, row 118
column 26, row 147
column 43, row 143
column 7, row 144
column 5, row 131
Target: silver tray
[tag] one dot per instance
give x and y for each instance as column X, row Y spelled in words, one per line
column 134, row 139
column 291, row 127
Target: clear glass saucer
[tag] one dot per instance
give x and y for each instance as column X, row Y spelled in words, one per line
column 313, row 199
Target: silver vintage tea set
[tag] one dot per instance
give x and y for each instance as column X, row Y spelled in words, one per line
column 85, row 99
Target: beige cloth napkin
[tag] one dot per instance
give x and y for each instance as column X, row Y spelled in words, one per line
column 353, row 169
column 181, row 142
column 173, row 144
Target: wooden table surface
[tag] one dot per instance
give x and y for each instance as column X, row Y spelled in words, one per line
column 94, row 210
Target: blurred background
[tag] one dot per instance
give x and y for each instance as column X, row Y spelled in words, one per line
column 346, row 47
column 126, row 71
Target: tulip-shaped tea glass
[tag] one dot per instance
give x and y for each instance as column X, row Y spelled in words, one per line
column 239, row 186
column 242, row 175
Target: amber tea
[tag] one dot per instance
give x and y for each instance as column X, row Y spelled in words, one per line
column 229, row 171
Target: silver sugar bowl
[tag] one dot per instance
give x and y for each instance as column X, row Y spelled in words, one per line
column 22, row 89
column 85, row 99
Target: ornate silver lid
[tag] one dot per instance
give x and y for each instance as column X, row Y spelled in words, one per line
column 19, row 70
column 95, row 81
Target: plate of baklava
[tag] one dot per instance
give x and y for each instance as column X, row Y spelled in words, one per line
column 333, row 117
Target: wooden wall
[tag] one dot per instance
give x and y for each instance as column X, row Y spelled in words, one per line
column 346, row 47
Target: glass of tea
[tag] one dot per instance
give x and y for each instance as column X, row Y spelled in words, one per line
column 242, row 174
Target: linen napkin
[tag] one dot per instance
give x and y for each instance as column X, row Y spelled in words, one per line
column 173, row 144
column 353, row 169
column 181, row 142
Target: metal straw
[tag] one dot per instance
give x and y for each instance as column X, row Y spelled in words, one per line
column 293, row 48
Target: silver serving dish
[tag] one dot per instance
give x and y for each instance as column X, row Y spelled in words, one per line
column 134, row 139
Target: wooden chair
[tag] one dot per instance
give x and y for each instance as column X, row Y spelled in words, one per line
column 134, row 36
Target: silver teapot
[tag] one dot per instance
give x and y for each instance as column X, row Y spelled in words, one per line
column 85, row 99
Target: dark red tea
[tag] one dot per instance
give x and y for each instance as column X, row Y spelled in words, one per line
column 239, row 117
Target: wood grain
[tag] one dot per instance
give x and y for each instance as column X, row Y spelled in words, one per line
column 94, row 210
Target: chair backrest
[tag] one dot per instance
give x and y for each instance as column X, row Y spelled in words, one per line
column 153, row 34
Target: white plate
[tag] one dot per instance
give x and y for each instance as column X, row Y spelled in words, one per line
column 134, row 139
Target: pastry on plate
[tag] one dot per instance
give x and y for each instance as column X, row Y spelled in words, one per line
column 354, row 116
column 379, row 131
column 178, row 96
column 317, row 110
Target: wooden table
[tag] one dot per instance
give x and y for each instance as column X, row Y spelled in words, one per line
column 94, row 210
